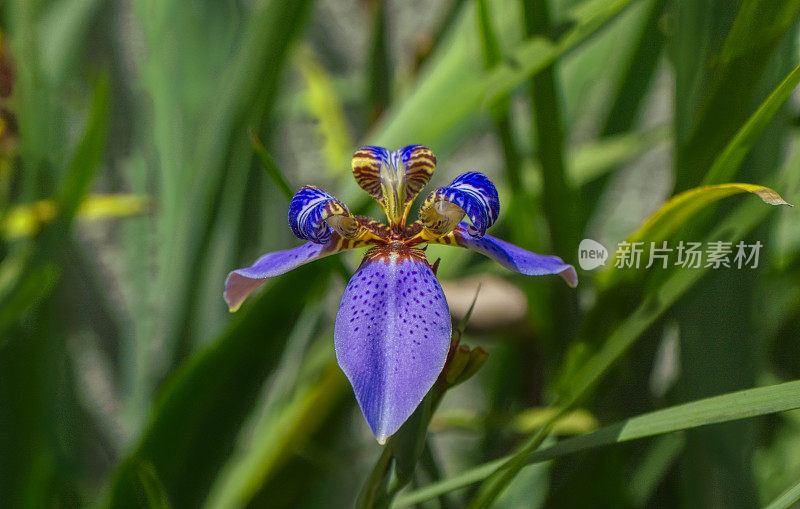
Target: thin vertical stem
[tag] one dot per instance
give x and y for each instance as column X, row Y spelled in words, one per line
column 380, row 65
column 559, row 199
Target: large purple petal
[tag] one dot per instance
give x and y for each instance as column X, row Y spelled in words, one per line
column 241, row 282
column 392, row 335
column 515, row 258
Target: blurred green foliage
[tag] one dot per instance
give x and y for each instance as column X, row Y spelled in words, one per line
column 134, row 139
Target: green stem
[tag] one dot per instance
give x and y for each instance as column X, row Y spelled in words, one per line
column 269, row 164
column 374, row 489
column 380, row 66
column 559, row 199
column 500, row 109
column 434, row 471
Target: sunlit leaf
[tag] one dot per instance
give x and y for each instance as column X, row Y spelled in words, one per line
column 679, row 209
column 585, row 378
column 325, row 106
column 24, row 220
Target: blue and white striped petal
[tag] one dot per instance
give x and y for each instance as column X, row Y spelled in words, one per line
column 471, row 194
column 314, row 214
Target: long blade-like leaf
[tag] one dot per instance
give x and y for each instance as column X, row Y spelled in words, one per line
column 717, row 409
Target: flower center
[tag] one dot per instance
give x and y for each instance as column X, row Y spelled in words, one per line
column 395, row 252
column 393, row 181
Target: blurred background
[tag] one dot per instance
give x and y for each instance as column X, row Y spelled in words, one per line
column 140, row 142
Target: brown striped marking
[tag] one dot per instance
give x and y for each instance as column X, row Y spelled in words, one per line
column 367, row 172
column 419, row 168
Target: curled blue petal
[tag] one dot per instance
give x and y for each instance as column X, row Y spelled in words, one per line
column 314, row 214
column 471, row 194
column 392, row 335
column 515, row 258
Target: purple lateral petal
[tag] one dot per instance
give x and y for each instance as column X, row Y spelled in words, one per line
column 515, row 258
column 241, row 282
column 392, row 336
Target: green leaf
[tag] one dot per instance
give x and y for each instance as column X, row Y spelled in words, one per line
column 325, row 107
column 61, row 32
column 203, row 199
column 679, row 209
column 153, row 490
column 200, row 410
column 728, row 162
column 30, row 278
column 657, row 462
column 455, row 86
column 787, row 499
column 724, row 408
column 559, row 199
column 735, row 227
column 87, row 157
column 279, row 438
column 718, row 74
column 271, row 166
column 379, row 67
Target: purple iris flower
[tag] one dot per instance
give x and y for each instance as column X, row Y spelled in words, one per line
column 392, row 331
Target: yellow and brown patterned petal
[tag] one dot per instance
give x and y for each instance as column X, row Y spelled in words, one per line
column 395, row 178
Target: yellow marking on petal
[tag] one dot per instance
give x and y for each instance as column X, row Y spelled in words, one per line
column 367, row 172
column 393, row 183
column 426, row 236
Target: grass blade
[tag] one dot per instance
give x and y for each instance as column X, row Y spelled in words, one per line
column 717, row 409
column 678, row 210
column 787, row 499
column 455, row 85
column 559, row 200
column 210, row 395
column 735, row 227
column 728, row 162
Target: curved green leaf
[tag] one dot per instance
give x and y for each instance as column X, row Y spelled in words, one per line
column 726, row 164
column 735, row 227
column 456, row 85
column 680, row 208
column 724, row 408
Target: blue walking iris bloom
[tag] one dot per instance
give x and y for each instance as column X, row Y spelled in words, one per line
column 392, row 332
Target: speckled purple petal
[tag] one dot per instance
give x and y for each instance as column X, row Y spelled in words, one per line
column 515, row 258
column 392, row 336
column 241, row 282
